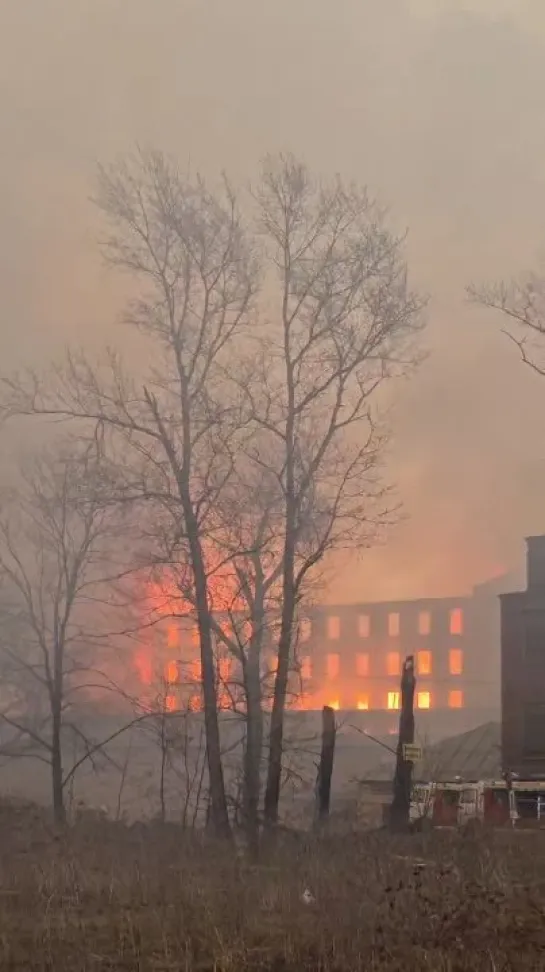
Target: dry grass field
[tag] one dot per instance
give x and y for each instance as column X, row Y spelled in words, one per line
column 105, row 897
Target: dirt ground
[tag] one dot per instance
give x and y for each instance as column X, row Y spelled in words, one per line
column 148, row 898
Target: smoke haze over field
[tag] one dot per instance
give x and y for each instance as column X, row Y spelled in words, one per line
column 437, row 106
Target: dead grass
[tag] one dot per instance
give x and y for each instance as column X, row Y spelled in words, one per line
column 148, row 900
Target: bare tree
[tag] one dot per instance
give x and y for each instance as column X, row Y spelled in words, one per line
column 187, row 249
column 56, row 536
column 346, row 324
column 522, row 304
column 255, row 441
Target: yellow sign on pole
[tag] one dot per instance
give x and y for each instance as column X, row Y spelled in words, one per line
column 412, row 753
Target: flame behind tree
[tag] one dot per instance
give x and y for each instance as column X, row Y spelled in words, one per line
column 252, row 448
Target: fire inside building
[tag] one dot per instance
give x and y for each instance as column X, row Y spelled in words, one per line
column 350, row 657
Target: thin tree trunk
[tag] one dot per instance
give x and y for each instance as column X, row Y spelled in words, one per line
column 253, row 750
column 401, row 803
column 276, row 737
column 59, row 812
column 218, row 800
column 325, row 769
column 162, row 802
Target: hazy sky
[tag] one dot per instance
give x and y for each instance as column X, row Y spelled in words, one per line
column 436, row 105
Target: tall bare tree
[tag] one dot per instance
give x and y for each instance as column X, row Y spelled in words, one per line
column 57, row 538
column 186, row 249
column 346, row 323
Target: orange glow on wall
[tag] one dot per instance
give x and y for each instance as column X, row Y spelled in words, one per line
column 393, row 663
column 456, row 661
column 305, row 629
column 173, row 637
column 363, row 703
column 334, row 705
column 456, row 621
column 171, row 672
column 195, row 670
column 306, row 667
column 333, row 627
column 333, row 665
column 364, row 625
column 393, row 700
column 456, row 699
column 362, row 665
column 423, row 700
column 224, row 669
column 423, row 659
column 144, row 667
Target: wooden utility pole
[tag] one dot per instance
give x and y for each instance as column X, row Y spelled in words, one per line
column 325, row 769
column 401, row 803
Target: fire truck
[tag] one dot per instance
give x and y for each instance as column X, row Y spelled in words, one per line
column 435, row 805
column 471, row 804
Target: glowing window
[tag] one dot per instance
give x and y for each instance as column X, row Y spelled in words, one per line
column 424, row 662
column 306, row 667
column 423, row 700
column 333, row 664
column 393, row 700
column 362, row 665
column 334, row 705
column 195, row 670
column 424, row 623
column 171, row 672
column 456, row 699
column 305, row 629
column 455, row 661
column 364, row 625
column 456, row 621
column 170, row 703
column 195, row 640
column 173, row 639
column 393, row 624
column 363, row 703
column 333, row 627
column 393, row 663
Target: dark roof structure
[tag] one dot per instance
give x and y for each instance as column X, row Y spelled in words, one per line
column 473, row 755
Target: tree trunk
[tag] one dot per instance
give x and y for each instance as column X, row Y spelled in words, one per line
column 253, row 749
column 59, row 812
column 401, row 803
column 218, row 800
column 325, row 769
column 276, row 737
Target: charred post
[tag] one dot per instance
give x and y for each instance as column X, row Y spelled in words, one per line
column 325, row 769
column 401, row 803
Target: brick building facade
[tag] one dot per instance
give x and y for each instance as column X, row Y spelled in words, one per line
column 351, row 655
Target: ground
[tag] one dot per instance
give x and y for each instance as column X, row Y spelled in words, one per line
column 106, row 897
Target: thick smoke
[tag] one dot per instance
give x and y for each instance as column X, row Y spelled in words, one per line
column 438, row 108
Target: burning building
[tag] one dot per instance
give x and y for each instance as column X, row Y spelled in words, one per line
column 350, row 656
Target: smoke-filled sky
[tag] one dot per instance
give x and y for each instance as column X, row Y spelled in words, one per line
column 436, row 104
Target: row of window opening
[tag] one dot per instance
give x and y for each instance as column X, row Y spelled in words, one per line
column 424, row 625
column 393, row 701
column 392, row 664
